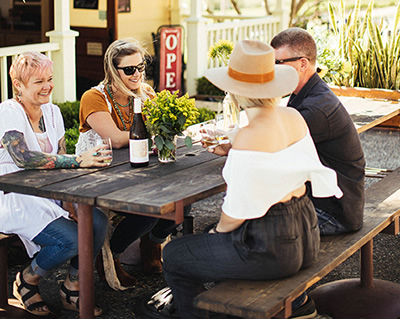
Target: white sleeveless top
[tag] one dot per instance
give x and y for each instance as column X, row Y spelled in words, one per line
column 258, row 180
column 21, row 214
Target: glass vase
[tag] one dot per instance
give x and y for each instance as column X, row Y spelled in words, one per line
column 168, row 155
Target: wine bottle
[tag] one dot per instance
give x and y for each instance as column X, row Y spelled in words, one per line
column 138, row 138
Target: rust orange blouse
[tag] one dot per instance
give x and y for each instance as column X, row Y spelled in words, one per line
column 97, row 99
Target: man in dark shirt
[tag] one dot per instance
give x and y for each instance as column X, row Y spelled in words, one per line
column 334, row 134
column 335, row 137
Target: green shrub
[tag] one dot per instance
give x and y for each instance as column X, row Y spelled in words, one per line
column 70, row 113
column 205, row 115
column 71, row 138
column 204, row 87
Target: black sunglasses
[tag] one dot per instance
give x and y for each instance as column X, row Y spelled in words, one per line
column 129, row 70
column 290, row 59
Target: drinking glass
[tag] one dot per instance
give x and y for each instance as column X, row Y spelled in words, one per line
column 207, row 131
column 213, row 132
column 106, row 150
column 220, row 129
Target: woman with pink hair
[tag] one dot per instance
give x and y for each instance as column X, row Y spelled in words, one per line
column 32, row 137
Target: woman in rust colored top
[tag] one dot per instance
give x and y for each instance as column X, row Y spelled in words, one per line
column 107, row 111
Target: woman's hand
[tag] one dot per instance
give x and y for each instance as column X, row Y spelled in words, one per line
column 226, row 224
column 95, row 157
column 221, row 149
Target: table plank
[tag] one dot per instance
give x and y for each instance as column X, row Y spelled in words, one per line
column 85, row 188
column 158, row 195
column 366, row 113
column 31, row 180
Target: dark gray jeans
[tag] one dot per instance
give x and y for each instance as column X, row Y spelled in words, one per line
column 274, row 246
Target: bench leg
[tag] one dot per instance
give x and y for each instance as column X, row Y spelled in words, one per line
column 3, row 277
column 366, row 298
column 367, row 266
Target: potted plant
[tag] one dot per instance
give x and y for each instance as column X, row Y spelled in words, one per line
column 167, row 116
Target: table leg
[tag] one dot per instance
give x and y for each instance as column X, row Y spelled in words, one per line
column 179, row 216
column 85, row 246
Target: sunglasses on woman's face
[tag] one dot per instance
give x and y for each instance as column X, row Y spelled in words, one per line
column 129, row 70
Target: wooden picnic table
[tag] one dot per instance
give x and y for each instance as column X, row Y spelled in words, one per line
column 160, row 190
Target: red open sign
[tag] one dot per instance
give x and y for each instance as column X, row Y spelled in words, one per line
column 170, row 59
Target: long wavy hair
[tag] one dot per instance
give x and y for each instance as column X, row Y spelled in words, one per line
column 113, row 56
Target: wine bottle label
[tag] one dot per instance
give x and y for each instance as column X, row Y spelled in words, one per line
column 139, row 151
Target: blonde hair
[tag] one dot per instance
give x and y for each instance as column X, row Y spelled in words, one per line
column 246, row 102
column 113, row 56
column 26, row 65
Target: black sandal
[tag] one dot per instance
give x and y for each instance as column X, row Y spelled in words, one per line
column 32, row 290
column 73, row 305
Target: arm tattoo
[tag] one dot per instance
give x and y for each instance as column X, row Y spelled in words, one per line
column 14, row 142
column 30, row 271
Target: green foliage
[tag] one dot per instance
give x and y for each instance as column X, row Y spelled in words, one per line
column 370, row 50
column 71, row 138
column 205, row 87
column 222, row 51
column 205, row 114
column 70, row 113
column 168, row 115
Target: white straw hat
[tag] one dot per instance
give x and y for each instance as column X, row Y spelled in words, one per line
column 252, row 72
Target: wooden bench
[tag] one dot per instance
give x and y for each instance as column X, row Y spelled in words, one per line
column 265, row 299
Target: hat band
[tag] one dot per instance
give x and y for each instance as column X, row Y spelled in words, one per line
column 251, row 78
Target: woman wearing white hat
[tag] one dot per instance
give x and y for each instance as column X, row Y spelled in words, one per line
column 268, row 227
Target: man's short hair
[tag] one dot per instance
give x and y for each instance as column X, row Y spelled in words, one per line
column 298, row 41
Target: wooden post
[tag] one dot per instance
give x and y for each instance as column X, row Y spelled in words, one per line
column 64, row 66
column 196, row 46
column 283, row 14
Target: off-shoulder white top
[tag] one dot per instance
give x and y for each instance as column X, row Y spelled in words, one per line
column 258, row 180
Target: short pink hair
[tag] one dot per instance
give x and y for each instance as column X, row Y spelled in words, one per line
column 28, row 64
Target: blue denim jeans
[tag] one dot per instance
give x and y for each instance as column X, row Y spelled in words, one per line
column 274, row 246
column 328, row 224
column 59, row 243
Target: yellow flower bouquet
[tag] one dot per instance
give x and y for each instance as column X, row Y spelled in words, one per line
column 167, row 116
